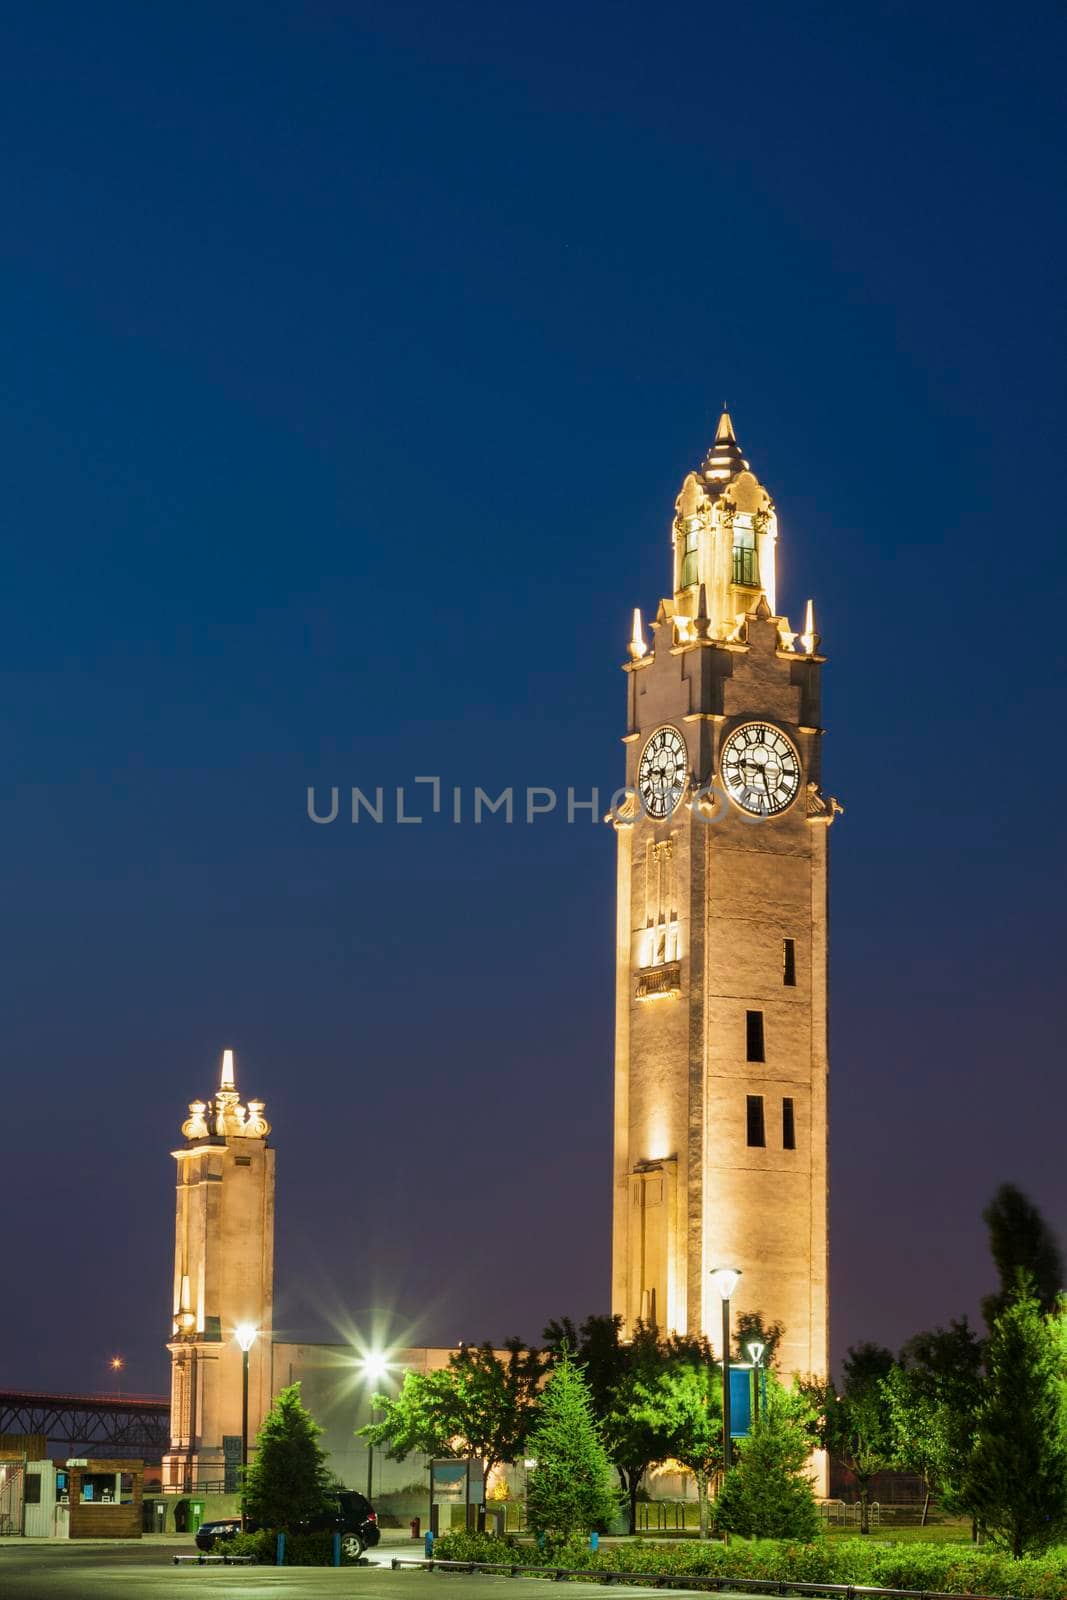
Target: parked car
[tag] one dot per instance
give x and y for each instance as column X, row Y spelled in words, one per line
column 210, row 1533
column 350, row 1514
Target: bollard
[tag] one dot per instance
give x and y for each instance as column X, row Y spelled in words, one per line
column 337, row 1549
column 594, row 1540
column 279, row 1551
column 429, row 1544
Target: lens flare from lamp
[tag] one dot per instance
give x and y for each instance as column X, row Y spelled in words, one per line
column 755, row 1352
column 726, row 1280
column 245, row 1334
column 375, row 1366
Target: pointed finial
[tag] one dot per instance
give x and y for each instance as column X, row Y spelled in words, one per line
column 724, row 433
column 809, row 638
column 702, row 623
column 638, row 647
column 226, row 1080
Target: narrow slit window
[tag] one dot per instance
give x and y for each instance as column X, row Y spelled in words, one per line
column 757, row 1133
column 789, row 1125
column 789, row 963
column 754, row 1036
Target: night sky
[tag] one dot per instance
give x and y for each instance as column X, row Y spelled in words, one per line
column 352, row 357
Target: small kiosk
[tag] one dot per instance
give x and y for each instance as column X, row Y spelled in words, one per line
column 99, row 1499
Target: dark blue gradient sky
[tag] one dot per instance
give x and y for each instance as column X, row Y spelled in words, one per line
column 352, row 356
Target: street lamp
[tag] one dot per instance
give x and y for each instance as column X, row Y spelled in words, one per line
column 375, row 1367
column 726, row 1280
column 116, row 1364
column 755, row 1355
column 245, row 1334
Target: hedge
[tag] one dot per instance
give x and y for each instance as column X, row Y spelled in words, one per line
column 950, row 1568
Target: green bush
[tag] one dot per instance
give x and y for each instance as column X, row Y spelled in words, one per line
column 468, row 1546
column 950, row 1568
column 301, row 1549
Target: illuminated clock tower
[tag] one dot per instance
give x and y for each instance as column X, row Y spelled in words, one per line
column 721, row 985
column 223, row 1281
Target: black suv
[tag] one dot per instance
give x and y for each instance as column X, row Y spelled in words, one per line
column 350, row 1515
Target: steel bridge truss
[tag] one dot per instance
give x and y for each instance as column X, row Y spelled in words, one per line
column 104, row 1425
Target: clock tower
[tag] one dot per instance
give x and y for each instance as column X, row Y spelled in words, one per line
column 721, row 958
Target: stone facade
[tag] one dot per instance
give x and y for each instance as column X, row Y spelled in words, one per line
column 721, row 948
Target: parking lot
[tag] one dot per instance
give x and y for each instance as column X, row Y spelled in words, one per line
column 145, row 1570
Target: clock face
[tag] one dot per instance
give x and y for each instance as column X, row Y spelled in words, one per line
column 760, row 769
column 661, row 772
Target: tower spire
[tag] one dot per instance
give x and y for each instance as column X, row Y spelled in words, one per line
column 226, row 1081
column 724, row 433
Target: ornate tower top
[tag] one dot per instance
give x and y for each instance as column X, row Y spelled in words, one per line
column 224, row 1116
column 725, row 537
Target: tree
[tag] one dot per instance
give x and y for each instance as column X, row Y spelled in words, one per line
column 681, row 1403
column 768, row 1494
column 1020, row 1240
column 572, row 1488
column 478, row 1406
column 750, row 1326
column 614, row 1372
column 933, row 1396
column 1017, row 1478
column 289, row 1481
column 855, row 1426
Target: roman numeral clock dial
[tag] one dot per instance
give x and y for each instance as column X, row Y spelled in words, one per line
column 760, row 769
column 661, row 772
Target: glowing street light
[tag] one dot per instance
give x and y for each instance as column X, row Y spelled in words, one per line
column 116, row 1364
column 245, row 1334
column 375, row 1365
column 725, row 1280
column 755, row 1355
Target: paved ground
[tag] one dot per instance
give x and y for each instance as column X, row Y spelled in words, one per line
column 145, row 1570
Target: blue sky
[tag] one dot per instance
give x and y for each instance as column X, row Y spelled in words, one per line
column 351, row 360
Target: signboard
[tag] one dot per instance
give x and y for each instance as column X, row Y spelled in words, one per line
column 740, row 1402
column 231, row 1456
column 456, row 1483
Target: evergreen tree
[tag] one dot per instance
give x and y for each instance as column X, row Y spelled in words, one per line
column 289, row 1481
column 1017, row 1478
column 617, row 1374
column 572, row 1488
column 768, row 1494
column 1020, row 1240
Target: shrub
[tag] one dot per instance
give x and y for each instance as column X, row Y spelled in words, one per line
column 301, row 1549
column 469, row 1546
column 948, row 1568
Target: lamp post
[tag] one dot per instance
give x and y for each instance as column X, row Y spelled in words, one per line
column 726, row 1280
column 246, row 1338
column 116, row 1364
column 755, row 1355
column 375, row 1366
